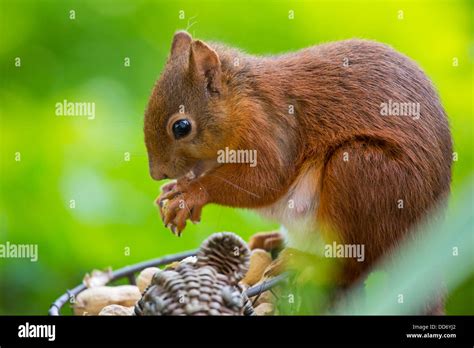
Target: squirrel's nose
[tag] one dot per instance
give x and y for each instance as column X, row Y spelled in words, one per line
column 157, row 173
column 159, row 177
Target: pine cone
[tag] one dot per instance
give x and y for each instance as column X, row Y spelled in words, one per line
column 207, row 287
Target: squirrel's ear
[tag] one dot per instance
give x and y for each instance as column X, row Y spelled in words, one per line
column 181, row 43
column 204, row 63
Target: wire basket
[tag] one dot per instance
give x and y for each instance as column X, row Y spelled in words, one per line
column 130, row 271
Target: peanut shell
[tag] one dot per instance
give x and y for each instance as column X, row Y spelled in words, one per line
column 259, row 261
column 92, row 300
column 145, row 276
column 118, row 310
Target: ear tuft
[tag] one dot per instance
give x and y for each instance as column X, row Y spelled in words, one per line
column 181, row 43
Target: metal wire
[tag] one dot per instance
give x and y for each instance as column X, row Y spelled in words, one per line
column 129, row 272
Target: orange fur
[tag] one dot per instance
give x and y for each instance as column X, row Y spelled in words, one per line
column 336, row 114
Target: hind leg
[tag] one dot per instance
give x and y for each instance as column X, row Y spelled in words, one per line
column 267, row 240
column 369, row 198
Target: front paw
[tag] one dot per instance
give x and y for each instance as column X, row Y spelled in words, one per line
column 180, row 203
column 168, row 187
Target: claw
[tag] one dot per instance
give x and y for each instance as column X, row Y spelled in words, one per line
column 177, row 205
column 173, row 229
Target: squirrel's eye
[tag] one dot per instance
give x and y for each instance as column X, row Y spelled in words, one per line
column 181, row 128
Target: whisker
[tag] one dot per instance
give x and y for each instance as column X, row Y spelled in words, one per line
column 254, row 183
column 235, row 185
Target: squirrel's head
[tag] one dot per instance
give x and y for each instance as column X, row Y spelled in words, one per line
column 186, row 121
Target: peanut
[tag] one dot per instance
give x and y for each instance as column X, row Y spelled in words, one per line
column 117, row 310
column 259, row 261
column 92, row 300
column 265, row 309
column 145, row 277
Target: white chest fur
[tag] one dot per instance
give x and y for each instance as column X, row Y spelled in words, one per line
column 296, row 211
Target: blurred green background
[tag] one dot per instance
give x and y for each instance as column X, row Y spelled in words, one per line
column 114, row 222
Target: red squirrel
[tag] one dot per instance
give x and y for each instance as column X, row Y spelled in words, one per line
column 350, row 137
